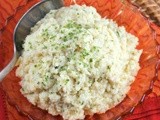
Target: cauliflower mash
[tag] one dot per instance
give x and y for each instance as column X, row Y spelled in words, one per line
column 76, row 63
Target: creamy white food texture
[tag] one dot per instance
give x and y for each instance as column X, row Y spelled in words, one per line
column 76, row 63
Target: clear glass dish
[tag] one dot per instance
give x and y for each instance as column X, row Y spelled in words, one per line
column 121, row 11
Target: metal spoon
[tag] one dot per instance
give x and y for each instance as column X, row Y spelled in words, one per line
column 22, row 29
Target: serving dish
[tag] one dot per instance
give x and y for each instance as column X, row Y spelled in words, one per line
column 124, row 14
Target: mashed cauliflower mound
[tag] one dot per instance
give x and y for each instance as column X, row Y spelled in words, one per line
column 76, row 63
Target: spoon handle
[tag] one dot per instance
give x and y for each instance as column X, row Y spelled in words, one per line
column 9, row 67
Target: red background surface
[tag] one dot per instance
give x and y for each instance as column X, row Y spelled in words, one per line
column 10, row 13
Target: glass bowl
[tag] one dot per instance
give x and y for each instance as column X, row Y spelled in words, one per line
column 121, row 11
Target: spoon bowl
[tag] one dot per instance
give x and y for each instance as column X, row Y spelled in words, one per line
column 23, row 27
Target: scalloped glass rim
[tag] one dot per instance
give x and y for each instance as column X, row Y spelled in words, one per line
column 145, row 62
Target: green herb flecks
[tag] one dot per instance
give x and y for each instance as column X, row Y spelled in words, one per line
column 52, row 36
column 108, row 68
column 35, row 65
column 75, row 29
column 85, row 64
column 65, row 38
column 62, row 68
column 46, row 78
column 45, row 33
column 90, row 60
column 82, row 102
column 43, row 84
column 118, row 34
column 44, row 47
column 63, row 47
column 94, row 49
column 78, row 82
column 73, row 24
column 85, row 53
column 30, row 45
column 66, row 81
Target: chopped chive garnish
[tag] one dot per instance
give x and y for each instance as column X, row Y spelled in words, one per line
column 90, row 60
column 66, row 81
